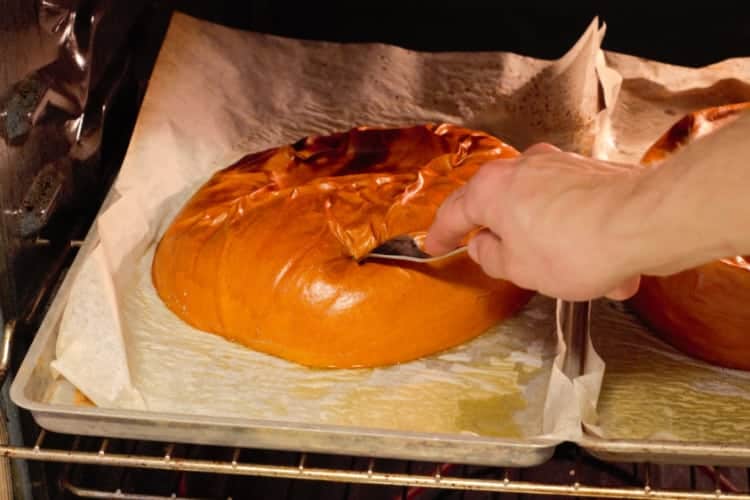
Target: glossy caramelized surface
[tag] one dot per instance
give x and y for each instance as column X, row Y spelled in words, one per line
column 264, row 253
column 704, row 312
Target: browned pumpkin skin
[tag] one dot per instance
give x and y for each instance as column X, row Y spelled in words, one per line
column 264, row 253
column 705, row 311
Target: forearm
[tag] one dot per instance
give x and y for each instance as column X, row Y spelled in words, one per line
column 695, row 207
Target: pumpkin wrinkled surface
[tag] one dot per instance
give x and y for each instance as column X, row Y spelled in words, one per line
column 265, row 253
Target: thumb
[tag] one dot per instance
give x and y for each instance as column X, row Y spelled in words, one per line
column 626, row 289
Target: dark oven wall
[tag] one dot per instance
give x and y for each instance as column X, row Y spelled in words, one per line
column 681, row 32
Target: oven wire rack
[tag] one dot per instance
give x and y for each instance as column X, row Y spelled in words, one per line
column 440, row 479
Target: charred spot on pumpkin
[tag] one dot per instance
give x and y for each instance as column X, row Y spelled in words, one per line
column 679, row 133
column 300, row 144
column 364, row 161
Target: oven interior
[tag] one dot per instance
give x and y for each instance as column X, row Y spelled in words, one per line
column 72, row 76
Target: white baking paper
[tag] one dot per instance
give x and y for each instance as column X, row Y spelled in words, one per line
column 218, row 93
column 649, row 389
column 653, row 96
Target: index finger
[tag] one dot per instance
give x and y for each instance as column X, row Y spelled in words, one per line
column 451, row 223
column 467, row 208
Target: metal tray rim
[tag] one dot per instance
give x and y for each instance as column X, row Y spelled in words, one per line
column 321, row 438
column 665, row 451
column 693, row 453
column 46, row 334
column 181, row 418
column 538, row 448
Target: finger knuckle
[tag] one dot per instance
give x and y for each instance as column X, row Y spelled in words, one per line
column 490, row 258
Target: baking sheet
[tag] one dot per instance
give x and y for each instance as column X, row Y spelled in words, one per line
column 658, row 404
column 655, row 403
column 491, row 386
column 56, row 405
column 249, row 100
column 652, row 391
column 117, row 343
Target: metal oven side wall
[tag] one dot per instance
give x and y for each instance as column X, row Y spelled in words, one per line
column 61, row 65
column 69, row 94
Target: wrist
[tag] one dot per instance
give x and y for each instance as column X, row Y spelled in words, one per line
column 672, row 219
column 634, row 236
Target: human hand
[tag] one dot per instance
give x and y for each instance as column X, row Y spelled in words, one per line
column 553, row 222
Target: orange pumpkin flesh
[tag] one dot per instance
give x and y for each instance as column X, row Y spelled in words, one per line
column 705, row 311
column 264, row 254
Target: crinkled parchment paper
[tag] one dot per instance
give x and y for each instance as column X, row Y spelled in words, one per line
column 649, row 389
column 214, row 88
column 652, row 96
column 652, row 391
column 218, row 93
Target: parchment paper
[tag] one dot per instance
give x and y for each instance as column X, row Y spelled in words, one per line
column 216, row 94
column 650, row 390
column 652, row 96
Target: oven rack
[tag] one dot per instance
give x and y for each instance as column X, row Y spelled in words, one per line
column 566, row 479
column 228, row 462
